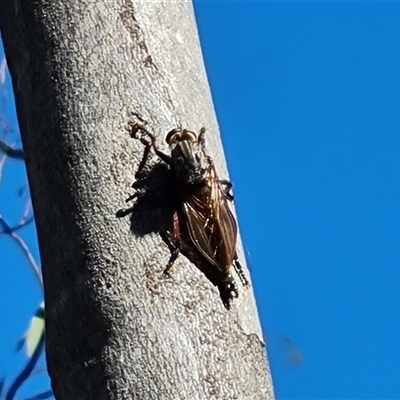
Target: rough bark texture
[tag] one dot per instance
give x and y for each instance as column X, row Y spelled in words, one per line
column 116, row 328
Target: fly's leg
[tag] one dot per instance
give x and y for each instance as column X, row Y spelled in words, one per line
column 174, row 248
column 140, row 172
column 228, row 290
column 174, row 244
column 240, row 272
column 201, row 139
column 225, row 184
column 227, row 187
column 135, row 128
column 202, row 142
column 140, row 127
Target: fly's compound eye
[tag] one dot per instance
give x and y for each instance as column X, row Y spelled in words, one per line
column 180, row 135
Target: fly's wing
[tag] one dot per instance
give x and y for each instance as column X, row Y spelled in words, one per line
column 196, row 216
column 211, row 225
column 224, row 282
column 227, row 231
column 225, row 227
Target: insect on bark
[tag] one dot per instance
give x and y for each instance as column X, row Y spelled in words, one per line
column 203, row 227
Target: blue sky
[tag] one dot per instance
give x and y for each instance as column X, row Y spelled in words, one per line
column 20, row 294
column 308, row 99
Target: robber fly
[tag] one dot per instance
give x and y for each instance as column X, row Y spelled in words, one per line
column 203, row 227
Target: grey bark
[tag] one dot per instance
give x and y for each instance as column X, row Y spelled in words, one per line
column 116, row 328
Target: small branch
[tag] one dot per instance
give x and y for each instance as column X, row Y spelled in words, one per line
column 25, row 249
column 3, row 68
column 27, row 214
column 1, row 385
column 28, row 254
column 9, row 151
column 41, row 396
column 22, row 223
column 26, row 372
column 26, row 218
column 2, row 162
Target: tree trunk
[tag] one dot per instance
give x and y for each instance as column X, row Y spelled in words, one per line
column 116, row 328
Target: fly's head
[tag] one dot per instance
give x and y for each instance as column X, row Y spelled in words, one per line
column 188, row 159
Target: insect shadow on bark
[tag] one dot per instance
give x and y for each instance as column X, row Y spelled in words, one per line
column 154, row 207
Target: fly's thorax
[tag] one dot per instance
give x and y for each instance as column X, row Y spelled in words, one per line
column 189, row 162
column 188, row 174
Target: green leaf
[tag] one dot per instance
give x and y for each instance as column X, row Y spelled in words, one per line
column 33, row 334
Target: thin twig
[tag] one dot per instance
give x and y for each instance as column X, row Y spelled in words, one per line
column 3, row 68
column 27, row 214
column 2, row 163
column 26, row 372
column 25, row 249
column 11, row 152
column 41, row 396
column 29, row 256
column 26, row 218
column 23, row 223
